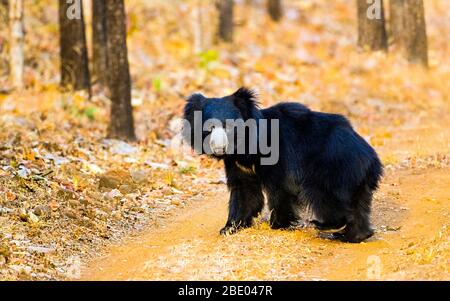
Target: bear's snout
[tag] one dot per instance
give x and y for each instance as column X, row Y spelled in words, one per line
column 218, row 141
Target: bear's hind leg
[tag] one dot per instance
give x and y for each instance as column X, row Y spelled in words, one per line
column 358, row 225
column 331, row 215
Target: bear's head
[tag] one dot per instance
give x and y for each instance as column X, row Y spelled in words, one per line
column 221, row 126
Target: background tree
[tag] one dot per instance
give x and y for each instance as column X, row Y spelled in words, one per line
column 396, row 21
column 73, row 50
column 99, row 43
column 197, row 27
column 16, row 43
column 371, row 25
column 226, row 22
column 4, row 28
column 275, row 9
column 121, row 124
column 4, row 11
column 408, row 29
column 415, row 33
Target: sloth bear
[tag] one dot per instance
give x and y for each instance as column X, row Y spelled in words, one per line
column 321, row 162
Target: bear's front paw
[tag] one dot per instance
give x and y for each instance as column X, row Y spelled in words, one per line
column 228, row 230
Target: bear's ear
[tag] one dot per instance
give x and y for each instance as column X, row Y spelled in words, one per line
column 196, row 98
column 193, row 103
column 246, row 101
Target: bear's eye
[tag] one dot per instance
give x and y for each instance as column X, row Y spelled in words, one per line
column 212, row 128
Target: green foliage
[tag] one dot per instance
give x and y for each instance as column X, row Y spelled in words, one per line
column 79, row 110
column 188, row 170
column 207, row 57
column 89, row 112
column 157, row 84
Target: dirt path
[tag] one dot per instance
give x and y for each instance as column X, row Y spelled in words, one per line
column 411, row 215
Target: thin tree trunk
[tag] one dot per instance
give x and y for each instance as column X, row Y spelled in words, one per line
column 197, row 27
column 73, row 49
column 371, row 25
column 416, row 45
column 4, row 28
column 226, row 23
column 16, row 43
column 396, row 22
column 121, row 124
column 275, row 9
column 4, row 11
column 99, row 42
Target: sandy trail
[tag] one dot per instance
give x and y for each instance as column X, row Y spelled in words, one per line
column 411, row 215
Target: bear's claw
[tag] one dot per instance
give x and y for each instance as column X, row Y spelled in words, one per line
column 228, row 230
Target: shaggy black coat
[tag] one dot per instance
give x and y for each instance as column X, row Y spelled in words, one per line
column 323, row 163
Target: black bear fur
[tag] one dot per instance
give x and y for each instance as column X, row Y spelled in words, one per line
column 323, row 163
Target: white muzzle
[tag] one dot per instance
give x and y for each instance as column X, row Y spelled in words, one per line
column 218, row 141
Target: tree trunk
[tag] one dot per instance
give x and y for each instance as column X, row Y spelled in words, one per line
column 4, row 29
column 197, row 27
column 415, row 35
column 396, row 22
column 371, row 25
column 4, row 11
column 99, row 43
column 121, row 124
column 275, row 9
column 16, row 43
column 73, row 50
column 226, row 25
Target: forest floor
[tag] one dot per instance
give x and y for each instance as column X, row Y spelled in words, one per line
column 411, row 216
column 154, row 213
column 76, row 205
